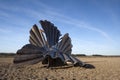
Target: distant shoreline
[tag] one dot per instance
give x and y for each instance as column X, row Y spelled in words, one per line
column 77, row 55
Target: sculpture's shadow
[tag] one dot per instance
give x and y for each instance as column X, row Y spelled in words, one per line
column 89, row 66
column 86, row 66
column 57, row 67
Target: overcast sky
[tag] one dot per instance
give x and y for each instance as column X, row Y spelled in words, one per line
column 93, row 25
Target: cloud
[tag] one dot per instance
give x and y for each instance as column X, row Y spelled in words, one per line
column 77, row 23
column 46, row 12
column 3, row 31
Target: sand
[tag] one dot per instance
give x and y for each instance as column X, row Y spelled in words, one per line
column 106, row 68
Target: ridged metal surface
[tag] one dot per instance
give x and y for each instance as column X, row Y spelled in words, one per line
column 46, row 46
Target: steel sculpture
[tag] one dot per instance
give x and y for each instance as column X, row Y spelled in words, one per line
column 47, row 46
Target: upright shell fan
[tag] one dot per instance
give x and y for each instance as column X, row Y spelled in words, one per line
column 47, row 46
